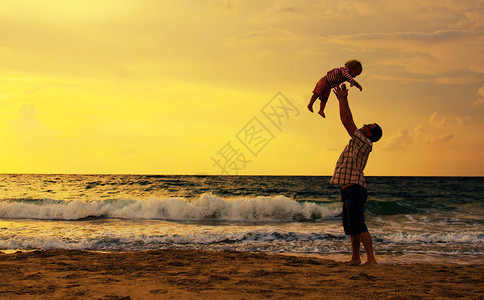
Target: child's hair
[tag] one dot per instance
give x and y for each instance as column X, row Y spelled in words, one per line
column 355, row 65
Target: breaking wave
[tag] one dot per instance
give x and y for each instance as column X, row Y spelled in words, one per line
column 206, row 207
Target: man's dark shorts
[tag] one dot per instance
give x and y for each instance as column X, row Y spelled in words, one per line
column 354, row 198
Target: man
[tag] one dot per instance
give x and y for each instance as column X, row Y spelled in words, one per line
column 349, row 174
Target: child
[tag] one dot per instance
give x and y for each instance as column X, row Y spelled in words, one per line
column 334, row 78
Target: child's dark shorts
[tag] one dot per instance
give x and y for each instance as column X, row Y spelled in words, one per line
column 322, row 89
column 354, row 198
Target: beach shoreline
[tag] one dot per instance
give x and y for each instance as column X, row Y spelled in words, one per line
column 197, row 274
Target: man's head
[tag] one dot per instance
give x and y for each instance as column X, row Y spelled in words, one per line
column 372, row 131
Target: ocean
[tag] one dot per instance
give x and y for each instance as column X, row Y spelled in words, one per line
column 411, row 219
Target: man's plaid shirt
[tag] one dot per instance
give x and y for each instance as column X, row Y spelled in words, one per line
column 352, row 161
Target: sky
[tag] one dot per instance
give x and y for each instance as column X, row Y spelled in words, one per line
column 221, row 86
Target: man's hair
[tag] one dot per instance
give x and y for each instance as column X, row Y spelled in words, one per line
column 376, row 133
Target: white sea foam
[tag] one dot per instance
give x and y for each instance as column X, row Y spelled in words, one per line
column 242, row 240
column 470, row 237
column 206, row 207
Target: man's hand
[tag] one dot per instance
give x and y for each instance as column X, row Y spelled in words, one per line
column 341, row 92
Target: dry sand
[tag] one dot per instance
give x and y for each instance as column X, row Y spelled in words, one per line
column 193, row 274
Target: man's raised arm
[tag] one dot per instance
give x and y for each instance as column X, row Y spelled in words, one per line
column 344, row 109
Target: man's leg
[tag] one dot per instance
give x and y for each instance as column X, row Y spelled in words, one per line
column 365, row 238
column 355, row 239
column 355, row 250
column 354, row 220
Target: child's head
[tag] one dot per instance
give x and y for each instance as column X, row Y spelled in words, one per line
column 355, row 67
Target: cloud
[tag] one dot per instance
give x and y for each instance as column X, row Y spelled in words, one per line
column 129, row 151
column 480, row 99
column 397, row 78
column 462, row 120
column 428, row 37
column 400, row 141
column 425, row 53
column 441, row 138
column 29, row 130
column 437, row 121
column 225, row 4
column 256, row 54
column 286, row 8
column 264, row 36
column 404, row 138
column 453, row 80
column 312, row 12
column 406, row 78
column 419, row 131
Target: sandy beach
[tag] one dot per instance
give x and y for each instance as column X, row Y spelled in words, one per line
column 194, row 274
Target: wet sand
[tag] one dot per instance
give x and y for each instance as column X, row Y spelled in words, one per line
column 193, row 274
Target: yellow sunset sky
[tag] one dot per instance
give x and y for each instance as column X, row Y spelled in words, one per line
column 185, row 87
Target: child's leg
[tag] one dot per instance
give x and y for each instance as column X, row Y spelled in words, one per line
column 311, row 102
column 318, row 90
column 324, row 98
column 322, row 106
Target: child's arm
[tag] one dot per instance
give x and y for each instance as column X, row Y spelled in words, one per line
column 346, row 74
column 357, row 85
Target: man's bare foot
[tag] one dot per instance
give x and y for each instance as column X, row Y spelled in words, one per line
column 322, row 114
column 370, row 263
column 354, row 262
column 310, row 107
